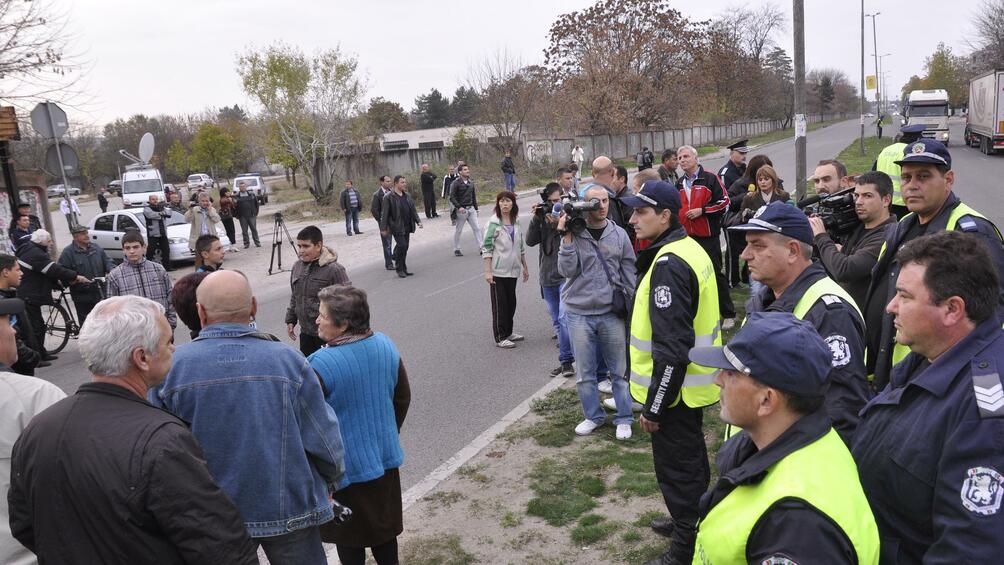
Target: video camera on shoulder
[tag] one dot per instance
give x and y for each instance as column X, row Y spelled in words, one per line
column 836, row 211
column 575, row 211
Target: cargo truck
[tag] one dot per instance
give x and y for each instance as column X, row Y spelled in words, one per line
column 930, row 108
column 985, row 120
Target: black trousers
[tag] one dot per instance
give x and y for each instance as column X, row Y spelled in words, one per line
column 429, row 198
column 83, row 309
column 228, row 224
column 503, row 293
column 401, row 241
column 252, row 223
column 33, row 311
column 737, row 243
column 713, row 246
column 388, row 256
column 309, row 343
column 682, row 471
column 161, row 243
column 385, row 554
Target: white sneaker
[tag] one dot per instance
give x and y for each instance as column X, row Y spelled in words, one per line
column 506, row 344
column 623, row 431
column 611, row 404
column 728, row 323
column 585, row 427
column 606, row 387
column 515, row 337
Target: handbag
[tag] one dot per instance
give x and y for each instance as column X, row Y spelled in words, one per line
column 620, row 303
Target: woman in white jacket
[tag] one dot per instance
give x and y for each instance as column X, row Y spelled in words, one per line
column 505, row 261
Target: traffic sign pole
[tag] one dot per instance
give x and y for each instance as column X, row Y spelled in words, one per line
column 62, row 169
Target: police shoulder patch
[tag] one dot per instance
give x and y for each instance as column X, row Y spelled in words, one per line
column 988, row 390
column 840, row 351
column 831, row 299
column 968, row 224
column 778, row 560
column 663, row 297
column 982, row 490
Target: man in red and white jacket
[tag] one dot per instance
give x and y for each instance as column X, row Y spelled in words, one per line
column 704, row 200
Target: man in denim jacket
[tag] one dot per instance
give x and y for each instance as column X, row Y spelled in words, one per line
column 258, row 411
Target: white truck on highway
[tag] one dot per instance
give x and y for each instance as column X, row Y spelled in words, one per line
column 930, row 108
column 985, row 121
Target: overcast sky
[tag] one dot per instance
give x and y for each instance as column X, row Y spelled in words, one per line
column 178, row 56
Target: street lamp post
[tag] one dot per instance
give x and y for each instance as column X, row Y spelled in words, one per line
column 875, row 47
column 861, row 117
column 880, row 81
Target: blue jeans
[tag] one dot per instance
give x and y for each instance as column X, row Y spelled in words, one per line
column 302, row 547
column 388, row 256
column 552, row 296
column 606, row 334
column 510, row 181
column 352, row 220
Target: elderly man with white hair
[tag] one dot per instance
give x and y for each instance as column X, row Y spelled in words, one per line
column 41, row 274
column 104, row 477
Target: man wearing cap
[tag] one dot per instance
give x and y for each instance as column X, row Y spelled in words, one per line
column 788, row 490
column 87, row 259
column 779, row 254
column 928, row 447
column 22, row 397
column 703, row 201
column 735, row 167
column 886, row 163
column 927, row 180
column 675, row 307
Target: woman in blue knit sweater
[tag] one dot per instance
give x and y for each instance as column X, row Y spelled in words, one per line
column 366, row 384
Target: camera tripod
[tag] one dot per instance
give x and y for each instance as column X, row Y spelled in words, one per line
column 280, row 224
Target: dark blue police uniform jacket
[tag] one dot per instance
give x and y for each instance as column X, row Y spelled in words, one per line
column 930, row 453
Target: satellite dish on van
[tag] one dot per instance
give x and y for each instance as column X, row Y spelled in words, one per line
column 146, row 147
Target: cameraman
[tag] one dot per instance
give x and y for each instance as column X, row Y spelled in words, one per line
column 851, row 264
column 597, row 259
column 543, row 231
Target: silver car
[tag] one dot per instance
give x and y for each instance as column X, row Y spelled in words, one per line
column 107, row 230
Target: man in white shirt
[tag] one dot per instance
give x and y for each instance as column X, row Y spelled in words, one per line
column 68, row 207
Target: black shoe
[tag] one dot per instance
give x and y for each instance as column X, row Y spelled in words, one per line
column 567, row 370
column 408, row 274
column 43, row 364
column 663, row 526
column 457, row 253
column 359, row 233
column 555, row 372
column 389, row 267
column 402, row 274
column 246, row 245
column 49, row 357
column 256, row 244
column 348, row 233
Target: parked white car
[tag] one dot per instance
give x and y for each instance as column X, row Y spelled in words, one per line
column 256, row 185
column 107, row 230
column 199, row 180
column 56, row 190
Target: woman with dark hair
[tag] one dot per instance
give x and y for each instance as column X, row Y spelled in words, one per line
column 746, row 184
column 367, row 386
column 505, row 261
column 227, row 211
column 183, row 300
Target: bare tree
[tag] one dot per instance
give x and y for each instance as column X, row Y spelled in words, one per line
column 34, row 60
column 508, row 91
column 989, row 43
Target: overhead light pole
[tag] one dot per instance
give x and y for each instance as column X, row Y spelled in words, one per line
column 875, row 47
column 861, row 138
column 801, row 129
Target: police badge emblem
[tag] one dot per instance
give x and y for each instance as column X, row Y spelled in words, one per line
column 663, row 297
column 839, row 350
column 982, row 490
column 918, row 148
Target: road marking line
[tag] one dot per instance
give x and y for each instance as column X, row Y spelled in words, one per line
column 453, row 286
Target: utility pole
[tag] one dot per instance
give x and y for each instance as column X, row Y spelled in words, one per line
column 798, row 24
column 861, row 138
column 875, row 47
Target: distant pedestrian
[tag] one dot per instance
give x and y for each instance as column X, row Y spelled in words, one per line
column 88, row 259
column 879, row 123
column 376, row 208
column 227, row 212
column 258, row 411
column 398, row 220
column 578, row 156
column 139, row 276
column 735, row 167
column 351, row 204
column 203, row 218
column 104, row 477
column 644, row 159
column 451, row 176
column 667, row 170
column 72, row 212
column 155, row 213
column 465, row 200
column 369, row 392
column 509, row 172
column 316, row 268
column 174, row 202
column 505, row 262
column 428, row 192
column 103, row 200
column 246, row 206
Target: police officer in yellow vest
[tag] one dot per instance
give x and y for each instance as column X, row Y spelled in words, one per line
column 675, row 308
column 779, row 255
column 886, row 163
column 788, row 490
column 926, row 182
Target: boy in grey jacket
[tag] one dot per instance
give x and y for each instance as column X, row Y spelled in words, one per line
column 598, row 264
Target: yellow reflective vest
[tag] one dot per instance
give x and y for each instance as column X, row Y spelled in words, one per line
column 887, row 164
column 822, row 473
column 698, row 387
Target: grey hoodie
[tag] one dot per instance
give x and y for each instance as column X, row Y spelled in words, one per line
column 587, row 289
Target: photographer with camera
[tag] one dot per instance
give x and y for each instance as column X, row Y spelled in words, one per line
column 851, row 264
column 597, row 259
column 543, row 231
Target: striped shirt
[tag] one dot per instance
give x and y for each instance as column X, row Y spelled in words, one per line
column 145, row 278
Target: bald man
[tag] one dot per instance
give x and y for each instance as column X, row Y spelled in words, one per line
column 605, row 173
column 258, row 411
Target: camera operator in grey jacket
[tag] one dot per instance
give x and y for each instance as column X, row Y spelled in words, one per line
column 543, row 231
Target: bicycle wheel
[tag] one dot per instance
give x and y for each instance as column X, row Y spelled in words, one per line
column 57, row 327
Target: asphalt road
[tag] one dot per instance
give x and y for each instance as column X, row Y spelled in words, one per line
column 440, row 318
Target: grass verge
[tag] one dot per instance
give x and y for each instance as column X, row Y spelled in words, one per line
column 781, row 134
column 437, row 550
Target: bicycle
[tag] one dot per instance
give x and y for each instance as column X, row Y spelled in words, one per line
column 60, row 319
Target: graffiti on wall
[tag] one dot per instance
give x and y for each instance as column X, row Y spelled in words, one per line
column 539, row 151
